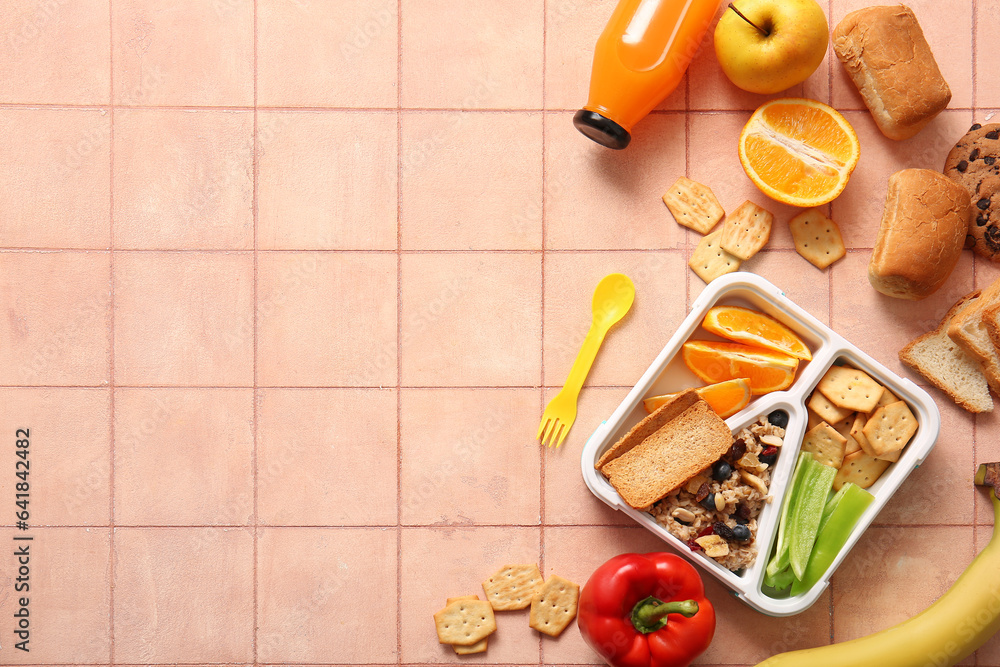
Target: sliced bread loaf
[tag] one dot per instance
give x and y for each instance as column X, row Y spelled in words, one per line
column 969, row 331
column 991, row 319
column 647, row 470
column 947, row 365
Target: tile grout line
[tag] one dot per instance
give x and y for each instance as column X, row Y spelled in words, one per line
column 386, row 110
column 449, row 527
column 829, row 274
column 253, row 315
column 541, row 331
column 399, row 332
column 975, row 68
column 687, row 171
column 111, row 334
column 975, row 263
column 356, row 251
column 306, row 388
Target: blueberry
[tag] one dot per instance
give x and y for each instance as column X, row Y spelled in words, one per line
column 740, row 533
column 779, row 418
column 708, row 502
column 721, row 471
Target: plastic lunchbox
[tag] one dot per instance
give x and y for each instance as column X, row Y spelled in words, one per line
column 669, row 374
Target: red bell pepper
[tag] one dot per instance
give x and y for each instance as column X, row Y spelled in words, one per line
column 646, row 610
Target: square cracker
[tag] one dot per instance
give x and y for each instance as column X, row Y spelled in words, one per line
column 860, row 469
column 693, row 205
column 890, row 428
column 852, row 445
column 710, row 261
column 850, row 388
column 465, row 622
column 891, row 457
column 886, row 398
column 746, row 230
column 478, row 647
column 813, row 420
column 843, row 427
column 513, row 586
column 817, row 238
column 827, row 446
column 858, row 433
column 826, row 410
column 554, row 606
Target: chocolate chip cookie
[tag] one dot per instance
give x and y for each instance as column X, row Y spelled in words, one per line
column 975, row 163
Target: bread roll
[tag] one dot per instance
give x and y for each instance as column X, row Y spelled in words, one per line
column 884, row 51
column 923, row 231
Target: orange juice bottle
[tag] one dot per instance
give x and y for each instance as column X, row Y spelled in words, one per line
column 640, row 58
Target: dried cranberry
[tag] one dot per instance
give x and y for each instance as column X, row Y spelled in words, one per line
column 769, row 455
column 694, row 546
column 707, row 530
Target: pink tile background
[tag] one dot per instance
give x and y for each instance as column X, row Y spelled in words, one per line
column 287, row 283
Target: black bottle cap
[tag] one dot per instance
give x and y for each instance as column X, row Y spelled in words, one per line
column 603, row 130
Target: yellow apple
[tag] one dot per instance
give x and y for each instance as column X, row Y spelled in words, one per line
column 773, row 46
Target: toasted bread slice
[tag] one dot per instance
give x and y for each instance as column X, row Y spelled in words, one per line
column 648, row 469
column 649, row 425
column 991, row 319
column 949, row 367
column 968, row 330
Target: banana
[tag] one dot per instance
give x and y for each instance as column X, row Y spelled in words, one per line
column 958, row 623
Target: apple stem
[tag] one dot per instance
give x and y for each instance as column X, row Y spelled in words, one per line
column 741, row 15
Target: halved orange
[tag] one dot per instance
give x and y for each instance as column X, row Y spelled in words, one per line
column 725, row 398
column 754, row 328
column 799, row 151
column 765, row 370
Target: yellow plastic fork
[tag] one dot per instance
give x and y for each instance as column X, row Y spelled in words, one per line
column 612, row 299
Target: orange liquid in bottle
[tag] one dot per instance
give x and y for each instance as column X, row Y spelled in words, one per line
column 640, row 58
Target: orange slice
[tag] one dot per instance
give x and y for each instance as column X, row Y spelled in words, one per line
column 726, row 398
column 765, row 370
column 754, row 328
column 798, row 151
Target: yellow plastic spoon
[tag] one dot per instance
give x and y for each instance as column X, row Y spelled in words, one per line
column 613, row 298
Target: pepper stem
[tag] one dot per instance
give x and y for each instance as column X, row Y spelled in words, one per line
column 766, row 33
column 650, row 614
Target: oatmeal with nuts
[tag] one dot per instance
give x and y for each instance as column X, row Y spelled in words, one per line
column 716, row 510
